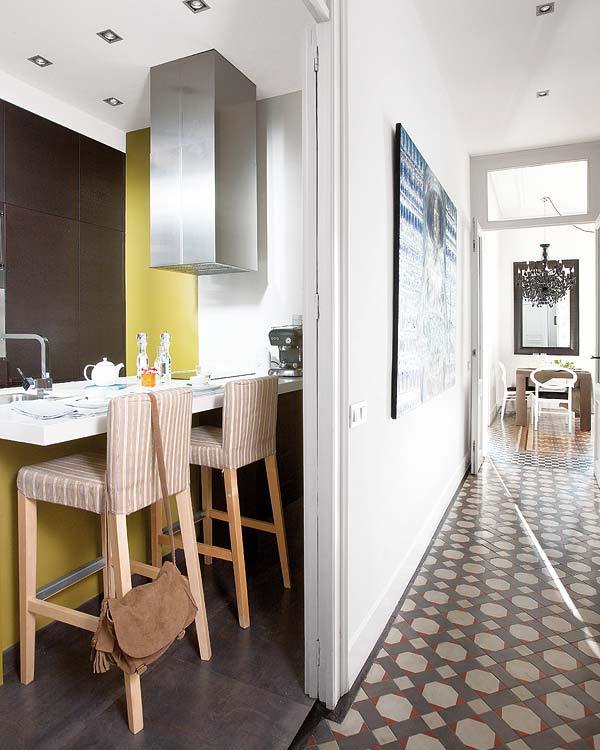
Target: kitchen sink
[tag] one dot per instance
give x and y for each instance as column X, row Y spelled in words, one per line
column 11, row 398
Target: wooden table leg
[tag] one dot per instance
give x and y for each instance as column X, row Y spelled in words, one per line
column 521, row 399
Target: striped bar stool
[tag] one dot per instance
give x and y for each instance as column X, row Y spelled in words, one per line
column 124, row 481
column 248, row 435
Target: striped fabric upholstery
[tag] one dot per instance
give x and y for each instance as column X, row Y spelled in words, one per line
column 78, row 481
column 207, row 447
column 127, row 479
column 249, row 426
column 131, row 474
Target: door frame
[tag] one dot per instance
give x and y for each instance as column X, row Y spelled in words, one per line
column 596, row 380
column 325, row 566
column 477, row 455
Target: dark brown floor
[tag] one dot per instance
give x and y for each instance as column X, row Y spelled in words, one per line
column 250, row 695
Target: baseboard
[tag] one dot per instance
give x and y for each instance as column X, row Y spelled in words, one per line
column 372, row 625
column 493, row 414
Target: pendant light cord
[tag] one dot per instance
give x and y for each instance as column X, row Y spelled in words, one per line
column 548, row 199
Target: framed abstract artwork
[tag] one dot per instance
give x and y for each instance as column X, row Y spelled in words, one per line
column 425, row 227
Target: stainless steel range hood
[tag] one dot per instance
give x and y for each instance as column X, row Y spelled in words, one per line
column 203, row 205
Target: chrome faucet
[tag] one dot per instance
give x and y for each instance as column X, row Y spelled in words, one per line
column 43, row 383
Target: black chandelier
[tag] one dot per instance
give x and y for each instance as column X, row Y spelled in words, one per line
column 544, row 282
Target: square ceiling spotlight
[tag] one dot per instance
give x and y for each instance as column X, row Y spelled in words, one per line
column 40, row 61
column 109, row 36
column 196, row 6
column 544, row 9
column 113, row 101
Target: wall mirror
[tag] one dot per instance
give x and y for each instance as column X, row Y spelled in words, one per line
column 547, row 329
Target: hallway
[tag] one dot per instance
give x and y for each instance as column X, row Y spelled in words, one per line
column 496, row 642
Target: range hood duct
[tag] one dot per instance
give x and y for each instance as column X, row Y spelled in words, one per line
column 203, row 204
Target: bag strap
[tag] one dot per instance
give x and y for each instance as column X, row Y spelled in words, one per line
column 162, row 472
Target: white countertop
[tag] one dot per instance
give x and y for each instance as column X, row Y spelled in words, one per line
column 23, row 429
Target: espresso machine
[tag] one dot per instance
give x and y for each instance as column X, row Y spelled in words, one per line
column 288, row 339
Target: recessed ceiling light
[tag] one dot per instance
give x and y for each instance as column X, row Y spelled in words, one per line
column 40, row 61
column 110, row 36
column 196, row 6
column 544, row 9
column 543, row 93
column 113, row 101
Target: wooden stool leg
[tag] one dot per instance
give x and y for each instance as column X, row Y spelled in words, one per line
column 156, row 527
column 188, row 536
column 119, row 546
column 27, row 583
column 237, row 545
column 206, row 479
column 275, row 493
column 108, row 574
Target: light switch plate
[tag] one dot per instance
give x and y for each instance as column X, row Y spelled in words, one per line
column 358, row 414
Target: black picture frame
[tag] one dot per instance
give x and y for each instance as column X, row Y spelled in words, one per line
column 573, row 349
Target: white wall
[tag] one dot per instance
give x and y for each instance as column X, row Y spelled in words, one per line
column 401, row 473
column 524, row 244
column 37, row 101
column 236, row 311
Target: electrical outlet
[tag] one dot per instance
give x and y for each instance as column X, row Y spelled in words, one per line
column 358, row 414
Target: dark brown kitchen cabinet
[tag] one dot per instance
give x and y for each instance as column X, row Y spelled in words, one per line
column 101, row 309
column 102, row 189
column 41, row 164
column 42, row 290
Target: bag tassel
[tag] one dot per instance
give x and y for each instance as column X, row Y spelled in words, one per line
column 101, row 659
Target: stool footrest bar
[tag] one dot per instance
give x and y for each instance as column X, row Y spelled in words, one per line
column 59, row 584
column 251, row 523
column 63, row 614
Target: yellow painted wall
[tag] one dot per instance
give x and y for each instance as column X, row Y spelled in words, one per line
column 155, row 301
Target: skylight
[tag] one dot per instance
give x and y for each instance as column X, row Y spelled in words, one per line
column 518, row 193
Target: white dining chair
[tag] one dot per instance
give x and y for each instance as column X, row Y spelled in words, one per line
column 557, row 391
column 509, row 392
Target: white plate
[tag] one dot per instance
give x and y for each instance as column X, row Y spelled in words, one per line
column 42, row 409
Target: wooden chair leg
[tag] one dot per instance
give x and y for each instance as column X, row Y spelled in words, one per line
column 119, row 546
column 156, row 527
column 206, row 480
column 237, row 545
column 188, row 536
column 275, row 493
column 27, row 583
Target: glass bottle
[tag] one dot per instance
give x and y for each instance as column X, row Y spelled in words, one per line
column 163, row 359
column 142, row 362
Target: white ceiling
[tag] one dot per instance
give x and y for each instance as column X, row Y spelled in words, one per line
column 264, row 38
column 495, row 55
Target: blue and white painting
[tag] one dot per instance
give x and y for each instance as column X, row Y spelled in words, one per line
column 425, row 281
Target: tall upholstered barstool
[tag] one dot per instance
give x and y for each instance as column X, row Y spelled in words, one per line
column 248, row 435
column 114, row 486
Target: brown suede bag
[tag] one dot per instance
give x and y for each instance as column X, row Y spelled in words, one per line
column 137, row 629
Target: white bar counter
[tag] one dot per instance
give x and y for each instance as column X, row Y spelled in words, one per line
column 23, row 429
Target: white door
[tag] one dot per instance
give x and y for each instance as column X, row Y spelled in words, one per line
column 596, row 392
column 477, row 455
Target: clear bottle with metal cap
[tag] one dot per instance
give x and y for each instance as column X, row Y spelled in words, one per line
column 142, row 362
column 163, row 358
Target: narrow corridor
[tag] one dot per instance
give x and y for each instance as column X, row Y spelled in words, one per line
column 496, row 643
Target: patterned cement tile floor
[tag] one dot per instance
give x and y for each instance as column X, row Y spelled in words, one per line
column 496, row 643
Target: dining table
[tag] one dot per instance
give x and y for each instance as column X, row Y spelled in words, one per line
column 582, row 396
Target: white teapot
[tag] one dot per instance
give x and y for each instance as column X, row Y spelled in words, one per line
column 104, row 373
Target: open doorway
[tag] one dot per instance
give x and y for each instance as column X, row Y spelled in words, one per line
column 262, row 679
column 537, row 315
column 520, row 337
